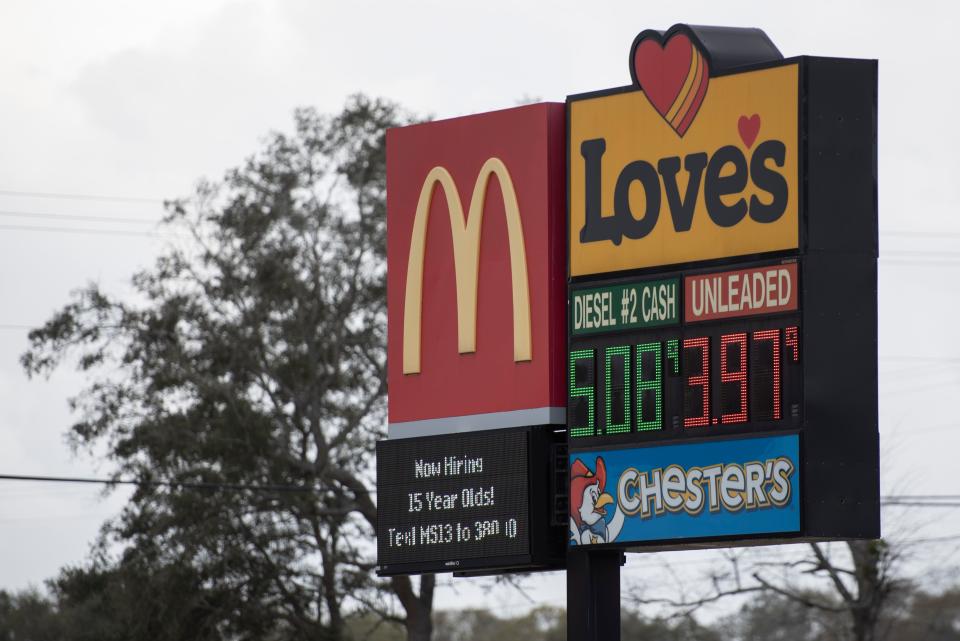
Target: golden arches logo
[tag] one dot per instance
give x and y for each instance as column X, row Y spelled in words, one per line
column 466, row 262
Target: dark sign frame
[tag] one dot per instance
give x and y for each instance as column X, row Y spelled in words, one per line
column 543, row 545
column 837, row 255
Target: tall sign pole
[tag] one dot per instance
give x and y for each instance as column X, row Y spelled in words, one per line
column 643, row 320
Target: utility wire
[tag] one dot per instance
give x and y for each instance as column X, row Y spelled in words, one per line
column 919, row 253
column 62, row 196
column 78, row 217
column 922, row 503
column 921, row 497
column 921, row 263
column 921, row 233
column 171, row 484
column 81, row 230
column 921, row 500
column 934, row 539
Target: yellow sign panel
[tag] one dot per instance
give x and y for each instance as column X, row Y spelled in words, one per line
column 642, row 195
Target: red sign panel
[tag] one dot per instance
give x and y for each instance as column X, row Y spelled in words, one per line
column 476, row 283
column 743, row 292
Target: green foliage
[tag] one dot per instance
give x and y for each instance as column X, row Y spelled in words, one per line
column 28, row 616
column 634, row 626
column 253, row 353
column 117, row 604
column 550, row 624
column 772, row 617
column 137, row 600
column 931, row 617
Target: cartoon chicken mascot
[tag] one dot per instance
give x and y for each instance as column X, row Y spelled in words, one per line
column 587, row 506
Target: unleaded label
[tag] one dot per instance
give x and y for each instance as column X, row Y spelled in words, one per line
column 627, row 306
column 743, row 292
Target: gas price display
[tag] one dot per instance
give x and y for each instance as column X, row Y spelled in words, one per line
column 691, row 355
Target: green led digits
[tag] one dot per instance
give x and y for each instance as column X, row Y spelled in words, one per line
column 673, row 355
column 582, row 393
column 617, row 396
column 650, row 387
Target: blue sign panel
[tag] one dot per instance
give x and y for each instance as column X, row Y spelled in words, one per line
column 731, row 487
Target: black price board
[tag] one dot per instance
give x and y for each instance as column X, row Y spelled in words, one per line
column 463, row 501
column 729, row 363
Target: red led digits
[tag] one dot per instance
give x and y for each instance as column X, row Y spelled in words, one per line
column 739, row 376
column 793, row 341
column 701, row 380
column 773, row 335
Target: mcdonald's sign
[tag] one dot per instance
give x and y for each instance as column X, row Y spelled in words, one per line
column 476, row 293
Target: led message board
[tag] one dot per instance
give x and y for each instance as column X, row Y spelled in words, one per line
column 465, row 501
column 722, row 320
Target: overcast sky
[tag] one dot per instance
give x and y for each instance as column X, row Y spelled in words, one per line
column 140, row 100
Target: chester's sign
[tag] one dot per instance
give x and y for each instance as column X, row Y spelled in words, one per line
column 690, row 167
column 690, row 490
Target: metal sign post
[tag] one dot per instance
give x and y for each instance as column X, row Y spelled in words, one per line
column 593, row 594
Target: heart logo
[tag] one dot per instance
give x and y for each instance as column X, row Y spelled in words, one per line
column 673, row 76
column 749, row 128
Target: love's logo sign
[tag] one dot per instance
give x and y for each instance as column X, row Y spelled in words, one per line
column 696, row 160
column 674, row 76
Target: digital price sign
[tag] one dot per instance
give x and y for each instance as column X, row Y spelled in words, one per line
column 466, row 501
column 690, row 375
column 722, row 327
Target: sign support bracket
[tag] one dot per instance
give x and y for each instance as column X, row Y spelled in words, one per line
column 593, row 594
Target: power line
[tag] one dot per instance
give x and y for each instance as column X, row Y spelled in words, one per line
column 917, row 500
column 922, row 503
column 78, row 217
column 921, row 263
column 922, row 500
column 936, row 428
column 80, row 230
column 170, row 484
column 66, row 196
column 921, row 234
column 54, row 517
column 919, row 253
column 934, row 539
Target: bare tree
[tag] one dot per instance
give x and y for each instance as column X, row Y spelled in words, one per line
column 856, row 584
